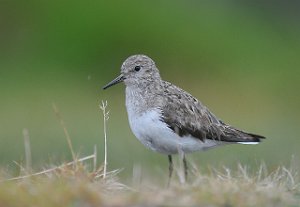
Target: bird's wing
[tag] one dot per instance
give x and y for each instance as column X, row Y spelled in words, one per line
column 185, row 115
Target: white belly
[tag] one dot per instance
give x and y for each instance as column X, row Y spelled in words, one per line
column 157, row 136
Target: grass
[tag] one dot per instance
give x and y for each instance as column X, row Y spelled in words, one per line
column 82, row 182
column 76, row 185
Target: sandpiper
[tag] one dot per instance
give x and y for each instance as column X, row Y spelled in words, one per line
column 167, row 119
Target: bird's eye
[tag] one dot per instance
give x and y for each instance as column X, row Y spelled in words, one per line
column 137, row 68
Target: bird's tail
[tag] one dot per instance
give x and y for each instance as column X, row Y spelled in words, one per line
column 252, row 138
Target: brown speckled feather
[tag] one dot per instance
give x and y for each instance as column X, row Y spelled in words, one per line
column 195, row 119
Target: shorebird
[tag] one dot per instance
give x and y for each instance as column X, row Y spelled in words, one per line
column 169, row 120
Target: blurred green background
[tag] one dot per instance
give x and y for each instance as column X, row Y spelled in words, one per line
column 240, row 58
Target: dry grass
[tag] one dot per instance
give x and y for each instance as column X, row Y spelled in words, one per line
column 227, row 188
column 82, row 183
column 67, row 185
column 70, row 184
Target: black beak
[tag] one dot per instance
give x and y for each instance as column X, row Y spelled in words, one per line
column 117, row 80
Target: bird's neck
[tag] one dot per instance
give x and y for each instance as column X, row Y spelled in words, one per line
column 140, row 99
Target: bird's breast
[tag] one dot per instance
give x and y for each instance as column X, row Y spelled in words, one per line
column 146, row 124
column 151, row 131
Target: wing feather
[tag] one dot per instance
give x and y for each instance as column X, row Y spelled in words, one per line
column 185, row 115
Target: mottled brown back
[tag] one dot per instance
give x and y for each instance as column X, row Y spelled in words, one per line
column 185, row 115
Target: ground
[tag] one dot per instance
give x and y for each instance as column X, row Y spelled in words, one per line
column 74, row 184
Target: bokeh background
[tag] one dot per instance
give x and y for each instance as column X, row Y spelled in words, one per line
column 240, row 58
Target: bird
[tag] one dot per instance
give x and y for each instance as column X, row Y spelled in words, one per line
column 169, row 120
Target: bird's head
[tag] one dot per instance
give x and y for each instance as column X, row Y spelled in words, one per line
column 136, row 70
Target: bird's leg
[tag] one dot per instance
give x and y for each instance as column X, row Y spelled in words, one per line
column 185, row 167
column 170, row 169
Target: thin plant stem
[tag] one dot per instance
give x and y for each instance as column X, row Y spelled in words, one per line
column 95, row 158
column 28, row 158
column 67, row 135
column 105, row 119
